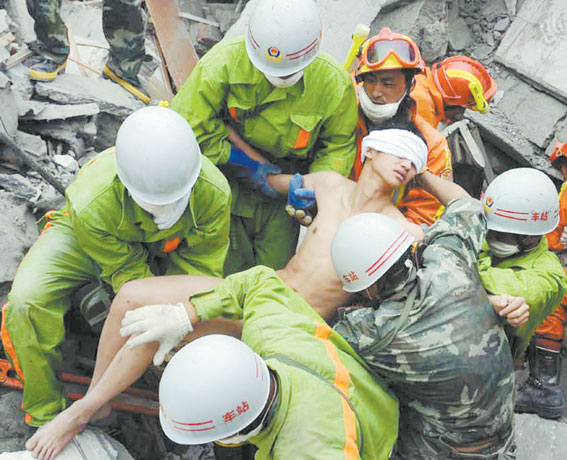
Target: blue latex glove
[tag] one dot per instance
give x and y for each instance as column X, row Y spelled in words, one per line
column 300, row 201
column 252, row 171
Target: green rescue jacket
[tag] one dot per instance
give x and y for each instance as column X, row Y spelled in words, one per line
column 315, row 365
column 123, row 239
column 312, row 120
column 536, row 276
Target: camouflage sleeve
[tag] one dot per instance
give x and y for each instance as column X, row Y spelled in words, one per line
column 358, row 327
column 461, row 229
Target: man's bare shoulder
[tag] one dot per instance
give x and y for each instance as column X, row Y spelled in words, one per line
column 325, row 179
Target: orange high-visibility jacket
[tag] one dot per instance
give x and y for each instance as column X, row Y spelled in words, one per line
column 553, row 237
column 428, row 99
column 553, row 326
column 418, row 205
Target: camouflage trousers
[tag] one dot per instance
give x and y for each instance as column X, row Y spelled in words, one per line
column 438, row 449
column 123, row 23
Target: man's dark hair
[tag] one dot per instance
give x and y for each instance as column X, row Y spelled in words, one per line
column 559, row 162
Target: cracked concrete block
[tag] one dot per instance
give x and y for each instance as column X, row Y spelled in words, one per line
column 493, row 9
column 498, row 130
column 76, row 89
column 424, row 20
column 339, row 20
column 48, row 112
column 18, row 231
column 459, row 34
column 531, row 430
column 67, row 162
column 502, row 24
column 511, row 7
column 32, row 144
column 20, row 15
column 77, row 134
column 20, row 186
column 21, row 83
column 535, row 47
column 533, row 111
column 560, row 135
column 9, row 108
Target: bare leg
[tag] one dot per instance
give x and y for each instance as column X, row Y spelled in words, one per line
column 125, row 368
column 117, row 366
column 135, row 294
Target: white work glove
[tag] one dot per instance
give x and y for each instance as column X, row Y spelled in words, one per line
column 166, row 324
column 563, row 238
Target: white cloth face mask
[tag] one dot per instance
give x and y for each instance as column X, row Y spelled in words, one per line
column 502, row 250
column 240, row 438
column 165, row 215
column 279, row 82
column 378, row 113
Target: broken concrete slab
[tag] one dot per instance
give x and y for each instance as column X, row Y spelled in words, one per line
column 32, row 144
column 511, row 7
column 502, row 24
column 79, row 134
column 47, row 112
column 535, row 113
column 459, row 35
column 20, row 15
column 20, row 186
column 67, row 162
column 12, row 426
column 494, row 9
column 21, row 83
column 18, row 231
column 76, row 89
column 423, row 20
column 531, row 430
column 535, row 47
column 339, row 21
column 89, row 444
column 497, row 129
column 9, row 108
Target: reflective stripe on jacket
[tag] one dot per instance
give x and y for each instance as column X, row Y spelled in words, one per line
column 314, row 421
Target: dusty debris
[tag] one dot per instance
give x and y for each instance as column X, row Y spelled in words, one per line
column 61, row 124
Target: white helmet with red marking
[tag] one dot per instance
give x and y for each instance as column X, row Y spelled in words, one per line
column 211, row 389
column 283, row 36
column 523, row 201
column 365, row 247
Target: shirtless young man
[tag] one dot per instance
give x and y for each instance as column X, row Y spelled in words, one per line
column 309, row 272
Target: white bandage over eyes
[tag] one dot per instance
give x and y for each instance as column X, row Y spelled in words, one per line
column 398, row 142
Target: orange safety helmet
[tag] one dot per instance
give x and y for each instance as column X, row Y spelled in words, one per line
column 560, row 150
column 465, row 82
column 389, row 50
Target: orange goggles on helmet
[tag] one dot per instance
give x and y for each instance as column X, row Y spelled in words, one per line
column 380, row 49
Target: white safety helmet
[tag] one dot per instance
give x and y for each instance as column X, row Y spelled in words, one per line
column 157, row 155
column 211, row 389
column 522, row 201
column 283, row 36
column 365, row 247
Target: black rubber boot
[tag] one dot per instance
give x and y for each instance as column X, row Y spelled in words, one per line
column 541, row 394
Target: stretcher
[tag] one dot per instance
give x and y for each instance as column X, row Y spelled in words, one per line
column 133, row 400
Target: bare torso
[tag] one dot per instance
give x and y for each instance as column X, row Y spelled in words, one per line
column 310, row 271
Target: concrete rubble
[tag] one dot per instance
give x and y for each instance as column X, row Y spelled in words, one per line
column 62, row 124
